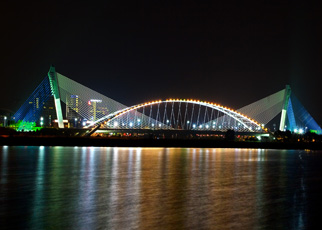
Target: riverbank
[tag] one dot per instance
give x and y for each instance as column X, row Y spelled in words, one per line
column 122, row 142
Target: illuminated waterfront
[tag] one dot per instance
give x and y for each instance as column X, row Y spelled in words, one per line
column 158, row 188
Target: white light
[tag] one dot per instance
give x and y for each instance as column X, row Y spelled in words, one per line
column 220, row 126
column 295, row 130
column 167, row 121
column 116, row 124
column 194, row 126
column 75, row 119
column 131, row 124
column 65, row 121
column 84, row 123
column 41, row 118
column 214, row 122
column 123, row 124
column 200, row 126
column 301, row 131
column 188, row 122
column 95, row 100
column 213, row 127
column 159, row 125
column 139, row 120
column 207, row 126
column 263, row 125
column 152, row 125
column 5, row 118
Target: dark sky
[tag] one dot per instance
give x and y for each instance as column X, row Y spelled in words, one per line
column 232, row 53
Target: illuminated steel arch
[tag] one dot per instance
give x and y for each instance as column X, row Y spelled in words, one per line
column 185, row 114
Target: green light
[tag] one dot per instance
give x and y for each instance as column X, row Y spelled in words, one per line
column 26, row 126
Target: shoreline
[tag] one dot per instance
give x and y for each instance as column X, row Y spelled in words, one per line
column 120, row 142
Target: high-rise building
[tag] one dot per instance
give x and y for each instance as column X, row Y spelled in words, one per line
column 73, row 104
column 96, row 109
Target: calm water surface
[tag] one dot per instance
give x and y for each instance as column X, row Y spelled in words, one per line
column 158, row 188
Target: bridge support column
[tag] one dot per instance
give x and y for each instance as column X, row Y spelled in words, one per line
column 285, row 105
column 55, row 92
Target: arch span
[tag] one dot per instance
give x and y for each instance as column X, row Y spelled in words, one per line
column 185, row 114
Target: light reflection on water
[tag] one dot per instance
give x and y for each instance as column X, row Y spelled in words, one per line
column 152, row 188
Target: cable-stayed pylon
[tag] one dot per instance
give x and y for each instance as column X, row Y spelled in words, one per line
column 293, row 116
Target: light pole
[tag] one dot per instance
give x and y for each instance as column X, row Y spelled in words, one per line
column 4, row 121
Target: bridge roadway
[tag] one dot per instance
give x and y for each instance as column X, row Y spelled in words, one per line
column 177, row 133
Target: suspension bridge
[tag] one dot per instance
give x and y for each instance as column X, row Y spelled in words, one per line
column 61, row 101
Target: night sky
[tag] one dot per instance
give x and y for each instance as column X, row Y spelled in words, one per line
column 232, row 53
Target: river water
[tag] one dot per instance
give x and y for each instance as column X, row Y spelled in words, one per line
column 158, row 188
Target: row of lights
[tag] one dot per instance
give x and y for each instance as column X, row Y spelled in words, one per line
column 214, row 104
column 296, row 130
column 179, row 100
column 116, row 124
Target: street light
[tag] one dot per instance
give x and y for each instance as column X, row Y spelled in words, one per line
column 5, row 121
